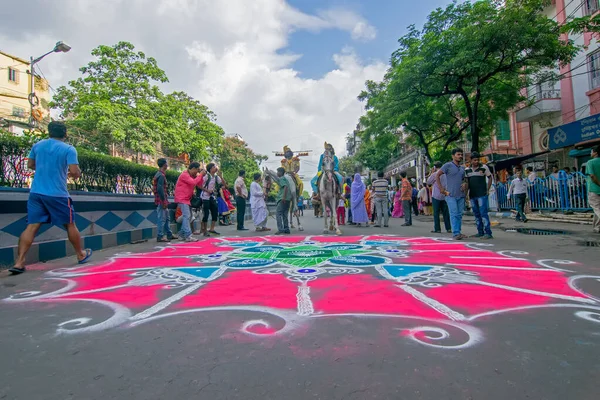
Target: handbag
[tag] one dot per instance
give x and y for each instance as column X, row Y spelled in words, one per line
column 196, row 201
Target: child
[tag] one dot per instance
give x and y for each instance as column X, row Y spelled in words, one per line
column 341, row 212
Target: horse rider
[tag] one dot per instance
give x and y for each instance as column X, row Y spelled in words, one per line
column 291, row 164
column 336, row 167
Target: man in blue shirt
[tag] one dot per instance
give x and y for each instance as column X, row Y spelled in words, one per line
column 49, row 202
column 454, row 190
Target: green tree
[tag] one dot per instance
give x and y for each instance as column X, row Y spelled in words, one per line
column 348, row 165
column 474, row 57
column 117, row 103
column 188, row 126
column 235, row 155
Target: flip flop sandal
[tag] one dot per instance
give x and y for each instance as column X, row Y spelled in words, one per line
column 16, row 271
column 88, row 254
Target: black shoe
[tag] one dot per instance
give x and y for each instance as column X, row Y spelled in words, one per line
column 386, row 226
column 16, row 271
column 242, row 229
column 214, row 232
column 436, row 231
column 287, row 232
column 449, row 231
column 406, row 225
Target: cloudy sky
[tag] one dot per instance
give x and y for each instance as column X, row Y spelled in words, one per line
column 276, row 72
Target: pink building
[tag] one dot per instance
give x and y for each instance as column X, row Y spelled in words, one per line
column 576, row 96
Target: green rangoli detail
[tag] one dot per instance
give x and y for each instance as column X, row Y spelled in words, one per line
column 297, row 256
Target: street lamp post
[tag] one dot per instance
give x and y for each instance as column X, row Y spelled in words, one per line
column 60, row 47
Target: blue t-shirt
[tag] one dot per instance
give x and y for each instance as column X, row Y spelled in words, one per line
column 52, row 159
column 455, row 175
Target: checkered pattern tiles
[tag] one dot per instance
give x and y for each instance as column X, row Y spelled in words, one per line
column 89, row 223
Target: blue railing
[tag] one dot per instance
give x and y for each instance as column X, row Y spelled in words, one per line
column 567, row 192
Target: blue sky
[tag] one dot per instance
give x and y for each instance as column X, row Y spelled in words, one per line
column 389, row 17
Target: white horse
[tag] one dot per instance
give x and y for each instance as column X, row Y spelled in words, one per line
column 328, row 193
column 294, row 202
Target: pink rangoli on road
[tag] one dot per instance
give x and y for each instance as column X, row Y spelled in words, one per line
column 436, row 289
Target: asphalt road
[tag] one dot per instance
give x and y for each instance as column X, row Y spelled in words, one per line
column 361, row 316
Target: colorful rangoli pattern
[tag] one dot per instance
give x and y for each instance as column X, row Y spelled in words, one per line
column 436, row 289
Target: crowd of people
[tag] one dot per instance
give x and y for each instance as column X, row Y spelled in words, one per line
column 201, row 193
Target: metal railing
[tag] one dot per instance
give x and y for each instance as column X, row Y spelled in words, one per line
column 567, row 192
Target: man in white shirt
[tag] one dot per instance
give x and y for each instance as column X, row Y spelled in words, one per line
column 241, row 195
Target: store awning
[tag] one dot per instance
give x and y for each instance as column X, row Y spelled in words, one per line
column 579, row 153
column 511, row 162
column 587, row 144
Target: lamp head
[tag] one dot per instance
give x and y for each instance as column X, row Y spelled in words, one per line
column 61, row 47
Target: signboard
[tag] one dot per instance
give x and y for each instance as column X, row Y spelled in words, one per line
column 574, row 132
column 401, row 168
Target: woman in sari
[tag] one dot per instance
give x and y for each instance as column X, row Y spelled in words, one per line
column 398, row 210
column 368, row 202
column 359, row 210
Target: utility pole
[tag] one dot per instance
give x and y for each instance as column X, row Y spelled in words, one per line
column 34, row 101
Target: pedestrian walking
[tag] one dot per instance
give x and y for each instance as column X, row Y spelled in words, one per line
column 348, row 196
column 161, row 200
column 341, row 212
column 425, row 199
column 414, row 201
column 479, row 180
column 593, row 184
column 49, row 201
column 359, row 209
column 380, row 190
column 439, row 200
column 210, row 186
column 186, row 184
column 284, row 198
column 301, row 206
column 258, row 206
column 454, row 190
column 406, row 191
column 518, row 189
column 241, row 195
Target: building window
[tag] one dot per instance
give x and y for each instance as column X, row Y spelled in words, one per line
column 502, row 129
column 18, row 112
column 13, row 75
column 594, row 67
column 591, row 6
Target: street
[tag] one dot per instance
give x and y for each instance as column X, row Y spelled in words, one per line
column 377, row 313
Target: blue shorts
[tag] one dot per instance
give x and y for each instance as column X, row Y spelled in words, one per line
column 43, row 209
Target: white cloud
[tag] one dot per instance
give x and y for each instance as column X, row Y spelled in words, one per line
column 231, row 55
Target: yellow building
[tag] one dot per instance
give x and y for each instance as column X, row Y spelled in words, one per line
column 15, row 86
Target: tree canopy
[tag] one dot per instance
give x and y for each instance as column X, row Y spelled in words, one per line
column 235, row 155
column 462, row 72
column 117, row 102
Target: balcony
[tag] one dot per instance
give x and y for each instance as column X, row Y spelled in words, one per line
column 545, row 102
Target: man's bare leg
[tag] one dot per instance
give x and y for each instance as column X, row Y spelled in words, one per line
column 75, row 239
column 25, row 242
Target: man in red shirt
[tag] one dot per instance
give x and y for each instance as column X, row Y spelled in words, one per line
column 184, row 190
column 406, row 197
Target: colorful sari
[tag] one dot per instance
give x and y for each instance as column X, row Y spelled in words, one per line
column 368, row 203
column 398, row 210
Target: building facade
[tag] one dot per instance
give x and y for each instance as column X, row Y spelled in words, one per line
column 15, row 87
column 574, row 96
